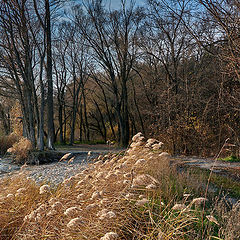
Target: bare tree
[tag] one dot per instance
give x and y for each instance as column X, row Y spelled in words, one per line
column 112, row 35
column 16, row 55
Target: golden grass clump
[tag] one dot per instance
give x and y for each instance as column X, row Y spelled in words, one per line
column 7, row 142
column 19, row 196
column 132, row 195
column 21, row 149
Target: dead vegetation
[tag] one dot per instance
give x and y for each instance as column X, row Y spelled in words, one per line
column 7, row 141
column 131, row 195
column 21, row 149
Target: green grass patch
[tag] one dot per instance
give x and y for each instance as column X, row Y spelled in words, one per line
column 221, row 182
column 231, row 158
column 227, row 184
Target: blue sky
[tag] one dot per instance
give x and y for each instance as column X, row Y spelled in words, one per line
column 117, row 3
column 113, row 4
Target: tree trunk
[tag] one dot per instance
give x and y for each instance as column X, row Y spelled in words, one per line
column 81, row 123
column 41, row 120
column 124, row 124
column 104, row 132
column 60, row 121
column 50, row 115
column 138, row 111
column 4, row 120
column 85, row 116
column 108, row 111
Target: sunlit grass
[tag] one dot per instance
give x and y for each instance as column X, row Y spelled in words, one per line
column 109, row 200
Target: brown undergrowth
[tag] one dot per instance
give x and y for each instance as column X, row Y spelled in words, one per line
column 7, row 141
column 21, row 150
column 131, row 195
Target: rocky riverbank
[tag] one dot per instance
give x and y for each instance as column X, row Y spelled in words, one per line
column 54, row 171
column 47, row 167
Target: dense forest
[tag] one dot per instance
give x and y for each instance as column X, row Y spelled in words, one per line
column 84, row 71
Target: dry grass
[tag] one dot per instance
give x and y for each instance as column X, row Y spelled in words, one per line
column 7, row 141
column 21, row 149
column 130, row 196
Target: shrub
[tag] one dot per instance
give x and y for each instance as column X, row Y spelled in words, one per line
column 21, row 149
column 7, row 142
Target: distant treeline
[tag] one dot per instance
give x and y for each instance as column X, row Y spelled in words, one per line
column 170, row 69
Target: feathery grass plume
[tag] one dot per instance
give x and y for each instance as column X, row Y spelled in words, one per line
column 102, row 212
column 52, row 201
column 179, row 207
column 75, row 223
column 136, row 144
column 151, row 186
column 44, row 189
column 58, row 206
column 31, row 216
column 164, row 154
column 65, row 157
column 187, row 195
column 143, row 180
column 130, row 196
column 151, row 142
column 140, row 162
column 211, row 218
column 198, row 201
column 21, row 190
column 72, row 212
column 137, row 137
column 52, row 213
column 142, row 202
column 96, row 195
column 41, row 208
column 157, row 146
column 10, row 197
column 107, row 215
column 80, row 196
column 134, row 213
column 110, row 236
column 71, row 160
column 91, row 206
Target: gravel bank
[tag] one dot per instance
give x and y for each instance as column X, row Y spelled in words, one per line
column 55, row 173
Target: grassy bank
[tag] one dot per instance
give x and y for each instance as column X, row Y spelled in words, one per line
column 222, row 184
column 135, row 195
